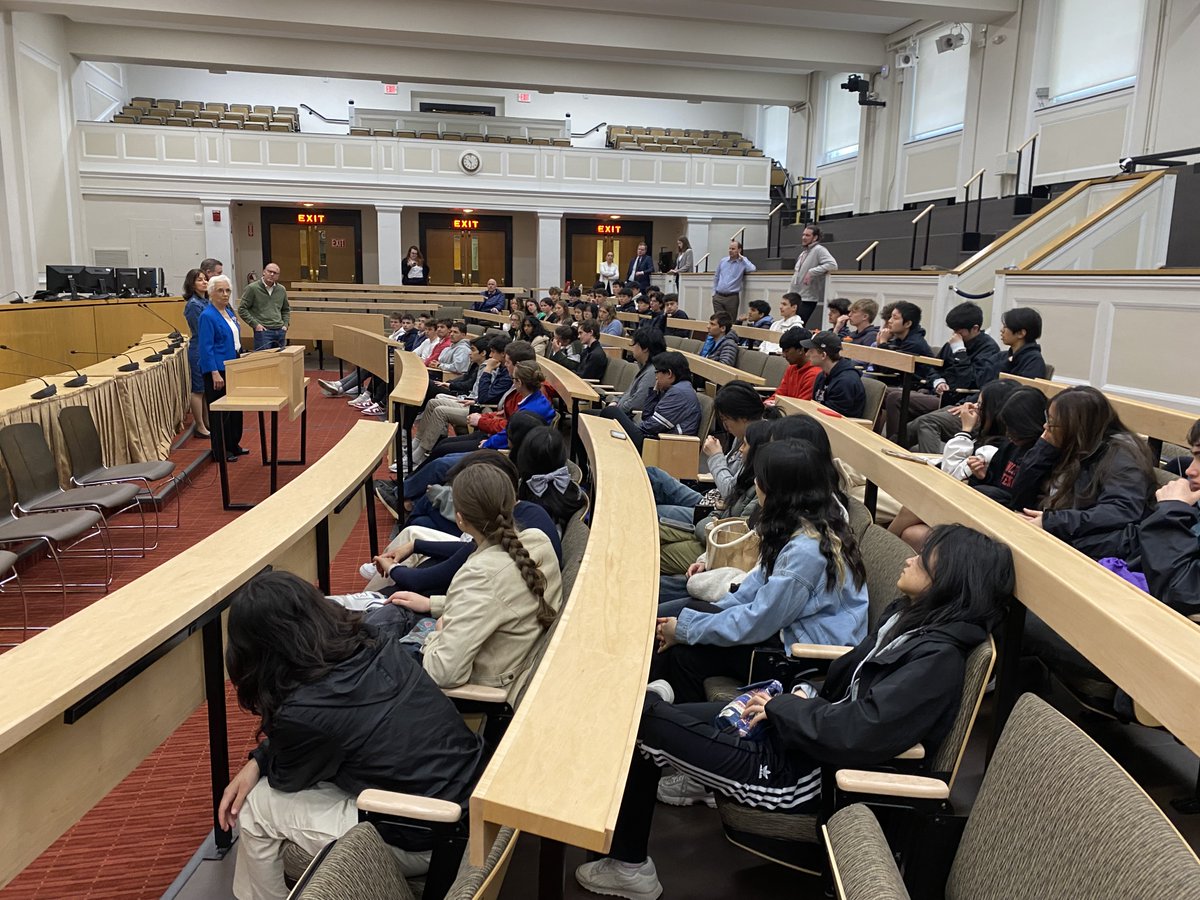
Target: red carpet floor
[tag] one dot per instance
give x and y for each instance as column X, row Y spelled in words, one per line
column 135, row 841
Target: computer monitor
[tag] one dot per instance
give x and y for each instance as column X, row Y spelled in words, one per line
column 127, row 282
column 100, row 279
column 150, row 282
column 59, row 278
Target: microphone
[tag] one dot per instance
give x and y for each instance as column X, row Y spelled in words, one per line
column 19, row 299
column 174, row 335
column 41, row 393
column 78, row 381
column 157, row 356
column 130, row 366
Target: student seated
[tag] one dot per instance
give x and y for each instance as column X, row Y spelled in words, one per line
column 593, row 361
column 737, row 406
column 720, row 346
column 1022, row 326
column 1168, row 540
column 672, row 311
column 971, row 359
column 609, row 323
column 534, row 333
column 758, row 315
column 398, row 327
column 789, row 317
column 672, row 407
column 837, row 316
column 338, row 699
column 899, row 686
column 801, row 375
column 1100, row 475
column 545, row 479
column 647, row 344
column 809, row 585
column 839, row 386
column 861, row 322
column 565, row 348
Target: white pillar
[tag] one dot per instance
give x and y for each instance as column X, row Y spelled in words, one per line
column 218, row 237
column 391, row 249
column 549, row 250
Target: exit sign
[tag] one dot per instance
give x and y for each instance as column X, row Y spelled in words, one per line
column 523, row 97
column 389, row 88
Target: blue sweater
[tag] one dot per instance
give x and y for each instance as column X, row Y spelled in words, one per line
column 538, row 404
column 216, row 340
column 792, row 605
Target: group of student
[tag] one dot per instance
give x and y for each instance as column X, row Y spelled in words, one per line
column 471, row 582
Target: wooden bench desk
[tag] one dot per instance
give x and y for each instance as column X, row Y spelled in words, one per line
column 557, row 773
column 94, row 695
column 1160, row 424
column 382, row 307
column 1148, row 649
column 904, row 363
column 573, row 390
column 305, row 286
column 489, row 317
column 718, row 373
column 411, row 378
column 616, row 340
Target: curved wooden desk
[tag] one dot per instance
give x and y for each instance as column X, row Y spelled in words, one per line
column 557, row 773
column 90, row 698
column 411, row 378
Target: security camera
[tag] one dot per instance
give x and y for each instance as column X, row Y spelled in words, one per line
column 951, row 41
column 856, row 84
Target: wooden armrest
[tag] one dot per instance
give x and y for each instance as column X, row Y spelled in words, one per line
column 857, row 781
column 763, row 389
column 477, row 692
column 591, row 380
column 677, row 437
column 409, row 806
column 866, row 422
column 602, row 387
column 705, row 478
column 819, row 651
column 916, row 751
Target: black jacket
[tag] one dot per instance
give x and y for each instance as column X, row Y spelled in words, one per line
column 1106, row 526
column 841, row 389
column 972, row 367
column 375, row 721
column 915, row 344
column 464, row 382
column 1169, row 555
column 593, row 363
column 1026, row 362
column 1002, row 475
column 906, row 695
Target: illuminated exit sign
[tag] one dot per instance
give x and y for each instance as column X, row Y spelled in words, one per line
column 523, row 97
column 466, row 224
column 389, row 88
column 608, row 229
column 310, row 218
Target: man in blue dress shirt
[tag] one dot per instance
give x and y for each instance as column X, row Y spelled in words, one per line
column 727, row 281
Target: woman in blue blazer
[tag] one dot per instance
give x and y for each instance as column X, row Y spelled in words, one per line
column 220, row 341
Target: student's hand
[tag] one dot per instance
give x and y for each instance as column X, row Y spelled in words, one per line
column 807, row 278
column 437, row 625
column 969, row 416
column 711, row 446
column 473, row 419
column 695, row 569
column 1033, row 517
column 384, row 562
column 955, row 410
column 666, row 633
column 491, row 365
column 235, row 795
column 444, row 384
column 840, row 323
column 756, row 707
column 409, row 600
column 218, row 381
column 978, row 466
column 1179, row 489
column 884, row 335
column 941, row 387
column 259, row 328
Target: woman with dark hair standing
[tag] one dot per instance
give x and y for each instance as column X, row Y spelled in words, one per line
column 899, row 686
column 413, row 267
column 683, row 257
column 1101, row 475
column 195, row 295
column 809, row 586
column 344, row 708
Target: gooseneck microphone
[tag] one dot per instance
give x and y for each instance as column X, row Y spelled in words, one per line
column 41, row 393
column 78, row 381
column 174, row 335
column 131, row 366
column 157, row 355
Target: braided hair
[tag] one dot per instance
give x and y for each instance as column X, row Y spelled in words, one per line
column 485, row 498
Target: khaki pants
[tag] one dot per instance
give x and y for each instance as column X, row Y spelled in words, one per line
column 727, row 303
column 311, row 819
column 441, row 411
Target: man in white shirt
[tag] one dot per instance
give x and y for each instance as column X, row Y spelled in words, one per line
column 431, row 337
column 789, row 317
column 812, row 265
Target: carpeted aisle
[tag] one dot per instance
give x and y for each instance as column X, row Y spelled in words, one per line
column 136, row 840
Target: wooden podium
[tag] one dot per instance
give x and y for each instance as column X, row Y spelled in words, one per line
column 265, row 381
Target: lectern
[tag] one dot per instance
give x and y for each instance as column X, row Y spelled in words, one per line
column 262, row 382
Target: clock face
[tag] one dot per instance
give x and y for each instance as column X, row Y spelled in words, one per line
column 470, row 162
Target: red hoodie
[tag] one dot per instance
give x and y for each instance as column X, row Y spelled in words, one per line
column 798, row 382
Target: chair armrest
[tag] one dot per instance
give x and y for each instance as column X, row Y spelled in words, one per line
column 891, row 784
column 705, row 478
column 819, row 651
column 916, row 751
column 678, row 437
column 477, row 693
column 409, row 806
column 764, row 389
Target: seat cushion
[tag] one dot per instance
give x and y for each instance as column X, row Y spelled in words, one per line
column 57, row 526
column 866, row 868
column 107, row 496
column 151, row 471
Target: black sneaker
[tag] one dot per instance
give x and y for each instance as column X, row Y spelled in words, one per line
column 388, row 493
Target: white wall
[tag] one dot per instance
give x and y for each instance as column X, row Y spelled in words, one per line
column 157, row 233
column 331, row 96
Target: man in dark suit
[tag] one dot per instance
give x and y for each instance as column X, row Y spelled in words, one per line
column 640, row 268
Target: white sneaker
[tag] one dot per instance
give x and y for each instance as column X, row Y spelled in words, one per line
column 331, row 388
column 368, row 571
column 663, row 688
column 360, row 401
column 393, row 468
column 372, row 409
column 682, row 790
column 617, row 879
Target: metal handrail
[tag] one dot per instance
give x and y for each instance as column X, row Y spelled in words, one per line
column 700, row 261
column 973, row 179
column 778, row 207
column 923, row 213
column 860, row 256
column 1029, row 140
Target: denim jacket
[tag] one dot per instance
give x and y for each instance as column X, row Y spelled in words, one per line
column 793, row 606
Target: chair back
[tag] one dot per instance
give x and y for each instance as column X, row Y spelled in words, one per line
column 29, row 461
column 1057, row 817
column 707, row 414
column 674, row 341
column 690, row 345
column 1049, row 372
column 884, row 555
column 751, row 360
column 574, row 542
column 946, row 759
column 82, row 439
column 774, row 368
column 860, row 517
column 876, row 390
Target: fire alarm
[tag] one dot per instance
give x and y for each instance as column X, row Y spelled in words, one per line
column 216, row 215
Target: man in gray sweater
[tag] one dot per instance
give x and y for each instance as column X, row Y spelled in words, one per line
column 808, row 279
column 264, row 307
